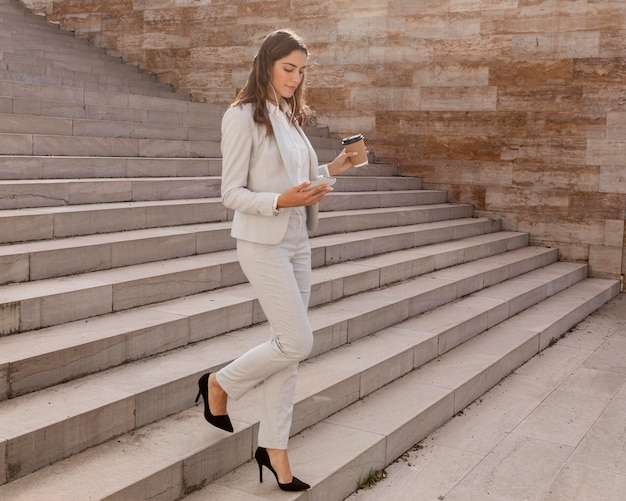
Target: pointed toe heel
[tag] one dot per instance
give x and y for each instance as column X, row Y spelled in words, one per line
column 263, row 459
column 221, row 422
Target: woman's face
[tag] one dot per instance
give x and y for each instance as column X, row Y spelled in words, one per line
column 287, row 74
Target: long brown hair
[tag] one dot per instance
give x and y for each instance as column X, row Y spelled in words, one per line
column 277, row 45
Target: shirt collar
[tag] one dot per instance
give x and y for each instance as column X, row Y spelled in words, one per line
column 274, row 110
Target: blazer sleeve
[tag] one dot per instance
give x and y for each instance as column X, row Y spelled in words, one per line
column 238, row 131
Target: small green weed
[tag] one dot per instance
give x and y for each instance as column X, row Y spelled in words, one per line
column 373, row 477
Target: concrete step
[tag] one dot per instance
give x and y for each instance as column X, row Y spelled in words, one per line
column 45, row 167
column 34, row 144
column 47, row 193
column 181, row 453
column 350, row 193
column 67, row 59
column 17, row 72
column 107, row 113
column 22, row 262
column 23, row 225
column 42, row 358
column 43, row 303
column 20, row 167
column 31, row 97
column 51, row 126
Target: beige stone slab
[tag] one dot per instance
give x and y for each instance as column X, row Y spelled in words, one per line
column 224, row 493
column 13, row 268
column 171, row 283
column 440, row 293
column 83, row 146
column 425, row 345
column 57, row 301
column 606, row 152
column 412, row 418
column 598, row 383
column 578, row 482
column 554, row 365
column 17, row 144
column 564, row 417
column 457, row 322
column 47, row 356
column 37, row 438
column 154, row 245
column 519, row 294
column 427, row 470
column 68, row 261
column 492, row 417
column 611, row 356
column 28, row 124
column 212, row 313
column 603, row 447
column 20, row 167
column 519, row 468
column 126, row 462
column 86, row 192
column 19, row 194
column 468, row 376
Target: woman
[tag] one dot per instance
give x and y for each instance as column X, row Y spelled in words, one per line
column 267, row 164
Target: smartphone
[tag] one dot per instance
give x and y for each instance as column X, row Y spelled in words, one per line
column 320, row 181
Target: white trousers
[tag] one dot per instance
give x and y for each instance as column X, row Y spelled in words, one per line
column 281, row 277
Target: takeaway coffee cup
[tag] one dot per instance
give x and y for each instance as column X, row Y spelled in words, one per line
column 356, row 143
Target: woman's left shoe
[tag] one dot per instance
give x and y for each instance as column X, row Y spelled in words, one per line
column 221, row 422
column 263, row 459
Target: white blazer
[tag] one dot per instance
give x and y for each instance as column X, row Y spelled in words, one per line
column 254, row 174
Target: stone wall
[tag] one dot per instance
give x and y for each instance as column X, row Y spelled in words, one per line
column 517, row 106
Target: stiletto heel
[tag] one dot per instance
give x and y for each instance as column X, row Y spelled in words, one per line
column 263, row 459
column 221, row 422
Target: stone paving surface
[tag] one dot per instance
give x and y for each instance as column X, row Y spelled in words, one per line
column 554, row 430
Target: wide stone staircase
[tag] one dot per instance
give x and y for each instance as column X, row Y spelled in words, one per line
column 119, row 287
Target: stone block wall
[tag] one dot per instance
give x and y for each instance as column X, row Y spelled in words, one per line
column 516, row 106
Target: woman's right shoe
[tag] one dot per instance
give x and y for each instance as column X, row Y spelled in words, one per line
column 221, row 422
column 263, row 459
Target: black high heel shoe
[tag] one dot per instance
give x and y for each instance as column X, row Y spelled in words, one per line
column 221, row 422
column 263, row 459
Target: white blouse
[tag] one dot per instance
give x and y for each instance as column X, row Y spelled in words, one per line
column 298, row 157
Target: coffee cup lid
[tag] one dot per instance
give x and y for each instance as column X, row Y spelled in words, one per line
column 351, row 139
